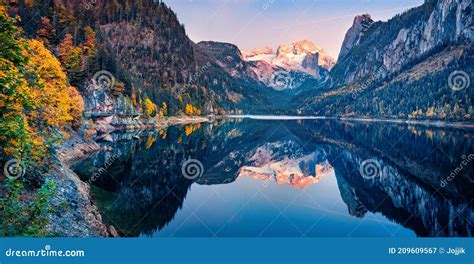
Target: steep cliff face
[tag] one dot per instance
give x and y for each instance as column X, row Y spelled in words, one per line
column 382, row 48
column 403, row 68
column 416, row 207
column 354, row 34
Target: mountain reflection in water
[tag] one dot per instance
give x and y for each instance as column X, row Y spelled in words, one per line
column 287, row 178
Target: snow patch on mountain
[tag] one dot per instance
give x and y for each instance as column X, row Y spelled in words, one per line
column 291, row 56
column 291, row 65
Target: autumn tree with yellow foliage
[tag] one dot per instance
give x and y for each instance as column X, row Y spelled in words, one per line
column 189, row 109
column 192, row 110
column 149, row 107
column 163, row 110
column 37, row 105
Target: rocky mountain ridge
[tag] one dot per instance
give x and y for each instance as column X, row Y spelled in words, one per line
column 417, row 65
column 290, row 66
column 383, row 48
column 354, row 34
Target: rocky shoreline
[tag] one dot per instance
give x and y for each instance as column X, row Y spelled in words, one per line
column 105, row 126
column 79, row 216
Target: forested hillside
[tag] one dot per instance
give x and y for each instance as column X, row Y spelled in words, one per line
column 144, row 47
column 422, row 91
column 37, row 103
column 38, row 108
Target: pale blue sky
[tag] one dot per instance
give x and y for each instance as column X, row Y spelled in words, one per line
column 258, row 23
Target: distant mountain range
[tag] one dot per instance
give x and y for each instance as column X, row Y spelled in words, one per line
column 290, row 69
column 417, row 65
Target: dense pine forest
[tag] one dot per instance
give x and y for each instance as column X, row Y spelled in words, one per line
column 420, row 90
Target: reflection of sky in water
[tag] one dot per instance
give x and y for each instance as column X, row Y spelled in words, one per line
column 248, row 208
column 281, row 181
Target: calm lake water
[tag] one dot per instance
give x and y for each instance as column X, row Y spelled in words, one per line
column 313, row 178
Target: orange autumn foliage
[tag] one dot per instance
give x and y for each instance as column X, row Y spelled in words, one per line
column 149, row 107
column 56, row 103
column 38, row 105
column 192, row 110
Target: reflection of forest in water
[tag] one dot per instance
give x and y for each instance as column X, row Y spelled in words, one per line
column 142, row 192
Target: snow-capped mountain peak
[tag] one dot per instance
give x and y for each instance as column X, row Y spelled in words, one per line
column 298, row 62
column 290, row 56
